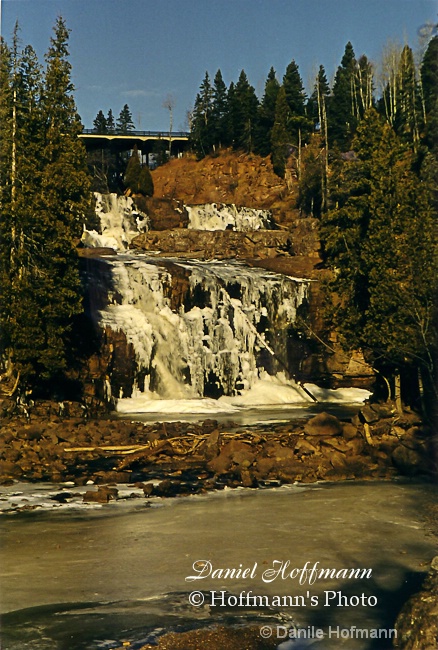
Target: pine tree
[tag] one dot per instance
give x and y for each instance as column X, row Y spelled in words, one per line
column 266, row 115
column 219, row 112
column 124, row 122
column 341, row 110
column 110, row 124
column 429, row 75
column 145, row 182
column 100, row 123
column 50, row 292
column 201, row 133
column 244, row 114
column 133, row 170
column 294, row 89
column 380, row 238
column 408, row 117
column 280, row 136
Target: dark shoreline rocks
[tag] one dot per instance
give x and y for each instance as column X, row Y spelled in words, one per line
column 417, row 623
column 53, row 442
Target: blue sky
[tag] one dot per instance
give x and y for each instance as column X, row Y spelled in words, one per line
column 140, row 52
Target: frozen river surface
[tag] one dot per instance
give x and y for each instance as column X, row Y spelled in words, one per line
column 91, row 580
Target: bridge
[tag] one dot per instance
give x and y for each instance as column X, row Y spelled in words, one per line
column 147, row 141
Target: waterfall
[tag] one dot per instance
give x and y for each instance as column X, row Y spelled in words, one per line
column 198, row 329
column 119, row 221
column 178, row 329
column 220, row 216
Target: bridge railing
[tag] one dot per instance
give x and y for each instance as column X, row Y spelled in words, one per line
column 155, row 134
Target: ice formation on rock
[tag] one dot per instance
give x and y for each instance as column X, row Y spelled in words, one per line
column 220, row 216
column 199, row 329
column 120, row 222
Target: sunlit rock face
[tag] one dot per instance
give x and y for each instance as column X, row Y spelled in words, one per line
column 219, row 216
column 198, row 329
column 119, row 220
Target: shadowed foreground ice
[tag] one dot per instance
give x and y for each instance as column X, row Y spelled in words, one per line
column 94, row 579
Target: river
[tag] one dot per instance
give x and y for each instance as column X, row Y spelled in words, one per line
column 89, row 580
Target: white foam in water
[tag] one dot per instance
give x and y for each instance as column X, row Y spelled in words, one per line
column 120, row 222
column 220, row 216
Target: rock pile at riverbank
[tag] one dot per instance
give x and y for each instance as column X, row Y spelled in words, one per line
column 59, row 444
column 417, row 623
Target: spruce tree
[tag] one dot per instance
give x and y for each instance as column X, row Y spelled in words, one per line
column 124, row 122
column 145, row 182
column 133, row 170
column 100, row 123
column 201, row 132
column 294, row 90
column 244, row 114
column 110, row 123
column 408, row 118
column 342, row 115
column 50, row 289
column 380, row 239
column 266, row 115
column 280, row 136
column 219, row 112
column 429, row 75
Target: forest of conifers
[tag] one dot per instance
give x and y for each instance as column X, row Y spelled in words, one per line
column 365, row 155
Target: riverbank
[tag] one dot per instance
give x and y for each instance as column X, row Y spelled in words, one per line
column 58, row 443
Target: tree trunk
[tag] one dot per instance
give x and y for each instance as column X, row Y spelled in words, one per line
column 397, row 393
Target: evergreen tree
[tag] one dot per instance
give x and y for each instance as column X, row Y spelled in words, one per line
column 219, row 112
column 266, row 115
column 137, row 177
column 429, row 87
column 201, row 132
column 429, row 75
column 110, row 124
column 408, row 115
column 380, row 238
column 244, row 114
column 280, row 136
column 133, row 170
column 299, row 125
column 124, row 122
column 294, row 90
column 42, row 213
column 145, row 182
column 341, row 110
column 100, row 123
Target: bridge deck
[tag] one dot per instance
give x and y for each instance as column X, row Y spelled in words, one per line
column 143, row 136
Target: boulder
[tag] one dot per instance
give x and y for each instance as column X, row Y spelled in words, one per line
column 417, row 623
column 323, row 424
column 407, row 461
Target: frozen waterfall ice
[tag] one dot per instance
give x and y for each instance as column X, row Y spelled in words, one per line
column 199, row 329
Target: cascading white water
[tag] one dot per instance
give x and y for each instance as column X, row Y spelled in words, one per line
column 220, row 216
column 198, row 330
column 213, row 343
column 120, row 222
